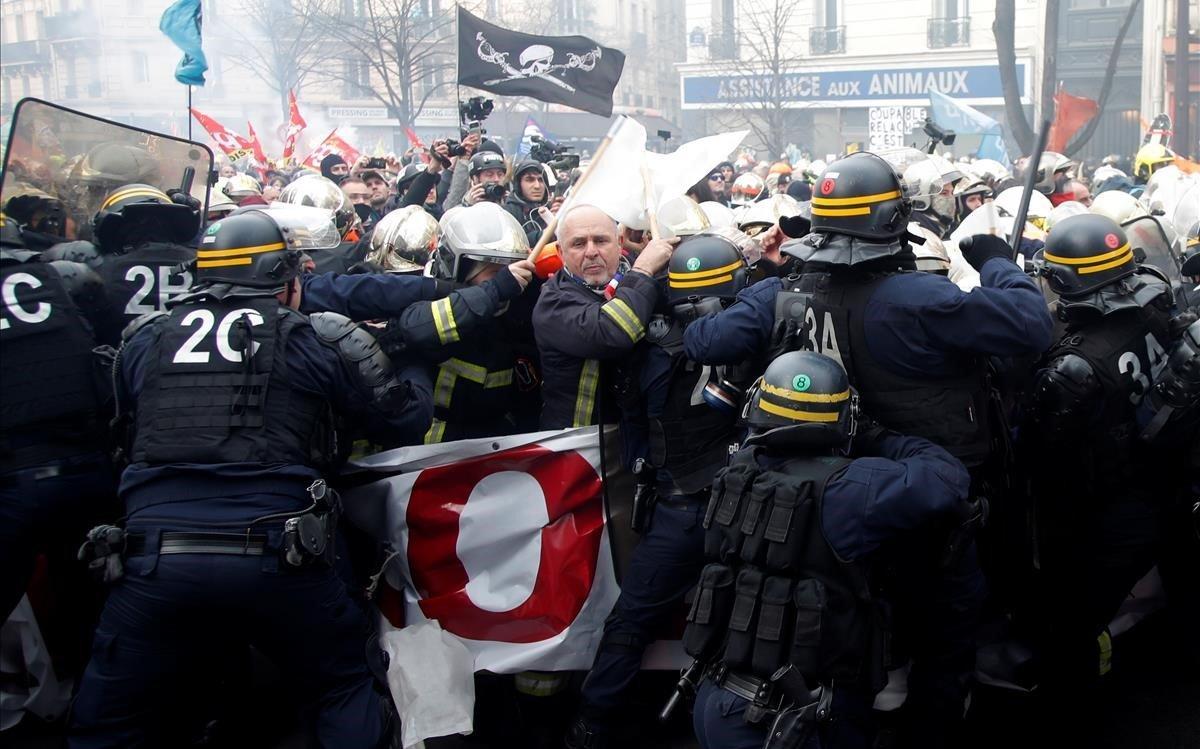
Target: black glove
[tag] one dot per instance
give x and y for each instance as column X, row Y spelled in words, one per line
column 179, row 197
column 980, row 248
column 795, row 226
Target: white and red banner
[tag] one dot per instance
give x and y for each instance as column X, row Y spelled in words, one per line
column 502, row 541
column 295, row 126
column 231, row 144
column 256, row 149
column 333, row 143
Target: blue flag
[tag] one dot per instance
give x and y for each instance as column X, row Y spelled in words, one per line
column 181, row 24
column 960, row 118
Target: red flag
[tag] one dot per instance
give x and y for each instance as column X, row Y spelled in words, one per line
column 296, row 125
column 333, row 143
column 1071, row 113
column 413, row 138
column 256, row 146
column 233, row 145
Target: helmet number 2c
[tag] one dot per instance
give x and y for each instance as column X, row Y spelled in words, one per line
column 205, row 319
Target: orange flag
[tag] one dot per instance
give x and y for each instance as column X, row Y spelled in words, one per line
column 1071, row 113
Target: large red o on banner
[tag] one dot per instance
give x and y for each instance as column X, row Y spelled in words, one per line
column 570, row 544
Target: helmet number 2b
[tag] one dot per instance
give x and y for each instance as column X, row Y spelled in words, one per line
column 205, row 319
column 166, row 290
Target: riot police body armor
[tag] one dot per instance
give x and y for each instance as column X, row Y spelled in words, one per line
column 1099, row 493
column 860, row 219
column 790, row 623
column 50, row 405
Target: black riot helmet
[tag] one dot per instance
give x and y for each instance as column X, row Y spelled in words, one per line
column 708, row 264
column 486, row 160
column 140, row 212
column 1084, row 253
column 860, row 196
column 802, row 400
column 247, row 249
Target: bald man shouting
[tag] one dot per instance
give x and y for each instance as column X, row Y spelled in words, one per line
column 581, row 334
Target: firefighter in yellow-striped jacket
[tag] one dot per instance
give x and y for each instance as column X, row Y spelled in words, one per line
column 590, row 315
column 486, row 380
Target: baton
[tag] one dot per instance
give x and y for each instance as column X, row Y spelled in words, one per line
column 1030, row 178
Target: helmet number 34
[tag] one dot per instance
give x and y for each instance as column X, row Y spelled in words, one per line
column 822, row 338
column 206, row 320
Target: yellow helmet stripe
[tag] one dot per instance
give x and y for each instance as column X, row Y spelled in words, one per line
column 1126, row 258
column 223, row 263
column 798, row 415
column 134, row 193
column 806, row 397
column 703, row 282
column 1087, row 260
column 878, row 197
column 209, row 254
column 864, row 211
column 697, row 274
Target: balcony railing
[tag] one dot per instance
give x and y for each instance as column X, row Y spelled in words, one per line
column 25, row 53
column 827, row 40
column 949, row 32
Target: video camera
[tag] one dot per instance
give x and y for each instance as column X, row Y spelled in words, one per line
column 937, row 135
column 473, row 112
column 552, row 154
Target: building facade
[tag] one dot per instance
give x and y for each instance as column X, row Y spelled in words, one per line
column 846, row 73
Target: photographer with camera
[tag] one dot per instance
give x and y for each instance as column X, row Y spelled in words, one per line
column 487, row 172
column 420, row 186
column 528, row 197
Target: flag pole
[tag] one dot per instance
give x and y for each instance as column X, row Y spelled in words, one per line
column 189, row 112
column 552, row 226
column 458, row 63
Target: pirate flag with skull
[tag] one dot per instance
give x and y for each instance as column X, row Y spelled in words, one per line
column 570, row 70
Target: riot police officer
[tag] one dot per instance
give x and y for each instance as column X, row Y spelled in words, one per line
column 479, row 335
column 55, row 474
column 914, row 345
column 1098, row 490
column 674, row 442
column 230, row 529
column 790, row 618
column 141, row 235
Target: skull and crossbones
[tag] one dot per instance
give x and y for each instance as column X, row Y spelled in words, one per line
column 537, row 61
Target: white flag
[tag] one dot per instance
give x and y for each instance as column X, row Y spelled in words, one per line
column 616, row 186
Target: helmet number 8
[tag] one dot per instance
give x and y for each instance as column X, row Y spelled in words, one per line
column 187, row 353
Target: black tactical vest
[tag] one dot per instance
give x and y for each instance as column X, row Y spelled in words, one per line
column 777, row 593
column 1127, row 351
column 951, row 412
column 45, row 368
column 144, row 280
column 690, row 439
column 216, row 390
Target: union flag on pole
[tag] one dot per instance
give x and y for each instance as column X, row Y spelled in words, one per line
column 333, row 143
column 296, row 125
column 231, row 144
column 256, row 146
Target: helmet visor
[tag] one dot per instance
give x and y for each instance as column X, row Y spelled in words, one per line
column 304, row 227
column 1147, row 234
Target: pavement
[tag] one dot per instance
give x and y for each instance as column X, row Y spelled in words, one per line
column 1151, row 700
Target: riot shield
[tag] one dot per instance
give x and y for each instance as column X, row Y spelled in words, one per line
column 63, row 163
column 1148, row 234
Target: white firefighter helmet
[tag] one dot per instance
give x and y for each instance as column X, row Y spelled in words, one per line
column 718, row 214
column 1009, row 201
column 1063, row 210
column 764, row 214
column 746, row 189
column 403, row 240
column 476, row 234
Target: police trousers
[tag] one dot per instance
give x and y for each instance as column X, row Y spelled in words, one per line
column 48, row 509
column 719, row 720
column 172, row 615
column 665, row 565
